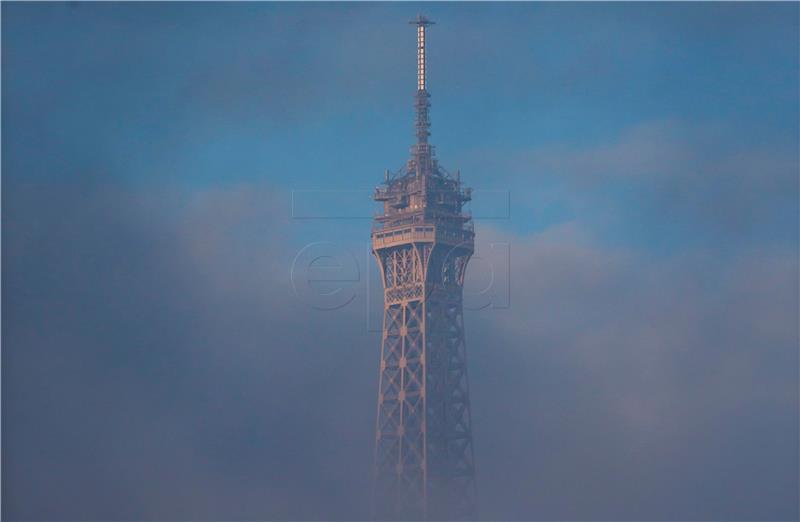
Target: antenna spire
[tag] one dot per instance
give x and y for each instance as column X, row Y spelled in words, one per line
column 421, row 22
column 422, row 152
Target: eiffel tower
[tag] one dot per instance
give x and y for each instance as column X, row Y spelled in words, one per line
column 423, row 240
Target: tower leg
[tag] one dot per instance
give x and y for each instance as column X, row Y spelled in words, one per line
column 423, row 457
column 451, row 470
column 400, row 446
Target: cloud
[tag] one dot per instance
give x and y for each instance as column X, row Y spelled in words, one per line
column 672, row 182
column 157, row 365
column 631, row 387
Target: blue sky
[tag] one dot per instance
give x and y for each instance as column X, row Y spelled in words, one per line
column 149, row 154
column 293, row 96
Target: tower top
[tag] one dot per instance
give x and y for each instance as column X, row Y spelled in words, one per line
column 421, row 20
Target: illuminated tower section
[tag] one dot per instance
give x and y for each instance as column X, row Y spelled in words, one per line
column 424, row 468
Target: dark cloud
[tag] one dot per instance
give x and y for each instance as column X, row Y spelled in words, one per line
column 639, row 388
column 680, row 183
column 157, row 365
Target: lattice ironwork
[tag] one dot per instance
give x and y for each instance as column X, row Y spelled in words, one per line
column 424, row 462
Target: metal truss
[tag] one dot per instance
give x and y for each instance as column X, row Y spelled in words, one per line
column 424, row 462
column 424, row 466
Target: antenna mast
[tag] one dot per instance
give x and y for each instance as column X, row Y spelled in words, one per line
column 422, row 152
